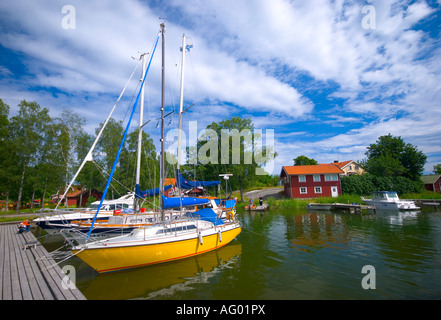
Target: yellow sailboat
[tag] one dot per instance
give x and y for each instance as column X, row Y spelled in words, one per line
column 160, row 243
column 192, row 234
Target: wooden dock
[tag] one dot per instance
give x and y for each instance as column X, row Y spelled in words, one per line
column 27, row 271
column 349, row 207
column 435, row 203
column 352, row 208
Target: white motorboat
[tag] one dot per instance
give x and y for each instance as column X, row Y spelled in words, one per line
column 389, row 200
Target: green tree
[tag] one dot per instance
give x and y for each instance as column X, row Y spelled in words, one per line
column 364, row 184
column 303, row 161
column 69, row 131
column 391, row 156
column 108, row 145
column 27, row 133
column 437, row 168
column 7, row 155
column 228, row 147
column 149, row 170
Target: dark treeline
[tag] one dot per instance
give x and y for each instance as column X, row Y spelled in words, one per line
column 39, row 155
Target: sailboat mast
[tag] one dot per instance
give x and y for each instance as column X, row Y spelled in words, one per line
column 162, row 122
column 141, row 119
column 181, row 102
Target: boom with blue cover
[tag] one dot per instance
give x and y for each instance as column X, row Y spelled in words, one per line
column 150, row 192
column 175, row 202
column 182, row 183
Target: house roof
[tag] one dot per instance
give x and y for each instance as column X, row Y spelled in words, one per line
column 430, row 178
column 342, row 164
column 312, row 169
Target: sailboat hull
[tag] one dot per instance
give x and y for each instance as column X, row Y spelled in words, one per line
column 120, row 257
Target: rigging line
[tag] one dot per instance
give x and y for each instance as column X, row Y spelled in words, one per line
column 89, row 154
column 106, row 175
column 122, row 142
column 57, row 263
column 259, row 234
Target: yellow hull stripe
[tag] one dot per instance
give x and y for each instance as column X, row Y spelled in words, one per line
column 109, row 259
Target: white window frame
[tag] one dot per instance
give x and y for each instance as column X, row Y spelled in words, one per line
column 320, row 189
column 305, row 191
column 331, row 177
column 302, row 178
column 317, row 178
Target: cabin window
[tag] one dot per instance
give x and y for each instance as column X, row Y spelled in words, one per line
column 318, row 189
column 331, row 177
column 302, row 178
column 317, row 178
column 303, row 190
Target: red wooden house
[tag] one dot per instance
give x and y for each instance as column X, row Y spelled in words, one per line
column 432, row 182
column 78, row 197
column 312, row 181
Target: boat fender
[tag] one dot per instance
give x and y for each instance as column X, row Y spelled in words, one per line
column 220, row 235
column 230, row 215
column 201, row 241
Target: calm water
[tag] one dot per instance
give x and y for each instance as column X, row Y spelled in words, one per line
column 292, row 255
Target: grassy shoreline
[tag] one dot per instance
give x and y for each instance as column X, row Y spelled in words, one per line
column 282, row 203
column 285, row 203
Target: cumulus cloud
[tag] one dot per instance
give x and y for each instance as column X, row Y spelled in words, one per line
column 309, row 69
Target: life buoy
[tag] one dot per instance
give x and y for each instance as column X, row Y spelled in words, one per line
column 230, row 215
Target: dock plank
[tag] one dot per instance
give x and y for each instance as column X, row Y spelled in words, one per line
column 22, row 263
column 32, row 277
column 29, row 273
column 7, row 280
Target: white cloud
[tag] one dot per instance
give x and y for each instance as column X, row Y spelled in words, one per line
column 249, row 58
column 95, row 57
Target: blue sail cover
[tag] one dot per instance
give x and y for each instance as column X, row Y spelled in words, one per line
column 207, row 214
column 226, row 203
column 182, row 183
column 150, row 192
column 182, row 201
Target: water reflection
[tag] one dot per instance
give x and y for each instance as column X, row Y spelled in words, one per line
column 294, row 254
column 315, row 230
column 162, row 281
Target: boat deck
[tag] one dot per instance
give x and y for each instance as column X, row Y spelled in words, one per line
column 27, row 271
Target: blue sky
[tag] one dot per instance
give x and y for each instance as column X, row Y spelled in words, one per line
column 310, row 70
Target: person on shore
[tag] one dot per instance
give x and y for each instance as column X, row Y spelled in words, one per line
column 24, row 226
column 260, row 200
